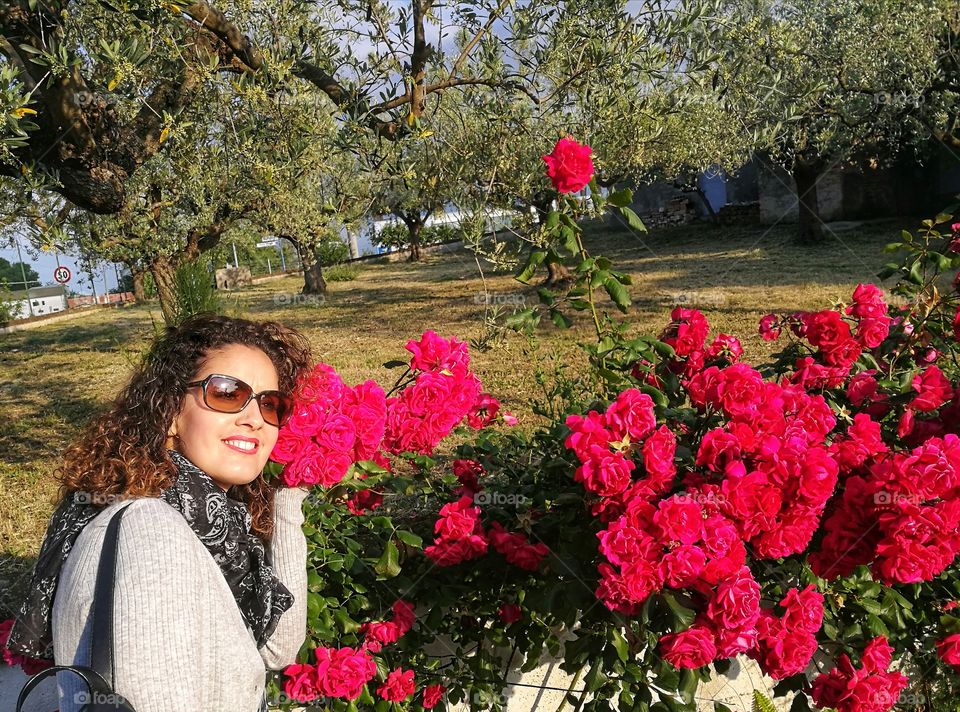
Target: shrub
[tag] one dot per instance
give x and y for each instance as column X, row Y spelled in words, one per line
column 194, row 290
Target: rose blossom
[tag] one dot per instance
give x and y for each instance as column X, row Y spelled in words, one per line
column 398, row 686
column 569, row 165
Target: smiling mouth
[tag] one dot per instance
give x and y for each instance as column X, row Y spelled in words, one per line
column 244, row 446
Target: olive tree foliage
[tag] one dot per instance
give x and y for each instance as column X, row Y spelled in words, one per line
column 177, row 206
column 631, row 84
column 834, row 83
column 94, row 86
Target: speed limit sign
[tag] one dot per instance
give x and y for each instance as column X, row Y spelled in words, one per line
column 62, row 274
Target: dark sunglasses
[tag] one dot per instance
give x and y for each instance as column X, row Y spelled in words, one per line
column 226, row 394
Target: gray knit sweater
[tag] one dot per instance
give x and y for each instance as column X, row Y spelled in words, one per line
column 180, row 643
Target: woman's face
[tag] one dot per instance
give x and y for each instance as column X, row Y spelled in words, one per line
column 213, row 441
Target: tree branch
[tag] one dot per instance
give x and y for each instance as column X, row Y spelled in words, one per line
column 212, row 19
column 468, row 48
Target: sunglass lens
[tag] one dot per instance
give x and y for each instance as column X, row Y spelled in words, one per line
column 274, row 407
column 227, row 394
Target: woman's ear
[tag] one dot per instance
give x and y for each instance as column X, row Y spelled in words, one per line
column 171, row 435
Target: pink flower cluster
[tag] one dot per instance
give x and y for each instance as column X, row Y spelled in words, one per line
column 460, row 536
column 443, row 393
column 31, row 666
column 899, row 512
column 379, row 633
column 604, row 444
column 785, row 645
column 734, row 622
column 839, row 339
column 516, row 548
column 343, row 672
column 332, row 427
column 871, row 688
column 767, row 468
column 338, row 672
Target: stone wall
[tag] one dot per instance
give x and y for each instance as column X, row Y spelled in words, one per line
column 850, row 192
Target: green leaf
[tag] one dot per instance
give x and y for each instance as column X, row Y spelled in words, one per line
column 396, row 364
column 916, row 273
column 762, row 703
column 595, row 678
column 389, row 564
column 622, row 198
column 410, row 538
column 569, row 238
column 560, row 319
column 633, row 220
column 617, row 293
column 535, row 259
column 681, row 614
column 620, row 643
column 524, row 320
column 553, row 219
column 656, row 394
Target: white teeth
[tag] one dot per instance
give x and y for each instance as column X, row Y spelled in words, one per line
column 243, row 445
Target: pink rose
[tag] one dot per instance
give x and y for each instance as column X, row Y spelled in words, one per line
column 768, row 328
column 300, row 682
column 398, row 687
column 692, row 648
column 949, row 650
column 631, row 415
column 342, row 672
column 933, row 389
column 432, row 694
column 569, row 165
column 509, row 613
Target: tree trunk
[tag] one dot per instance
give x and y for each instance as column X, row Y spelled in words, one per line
column 714, row 218
column 163, row 276
column 139, row 291
column 557, row 274
column 415, row 227
column 805, row 175
column 313, row 281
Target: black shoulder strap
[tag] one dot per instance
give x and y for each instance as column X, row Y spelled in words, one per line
column 101, row 654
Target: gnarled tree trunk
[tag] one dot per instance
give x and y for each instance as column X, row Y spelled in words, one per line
column 805, row 176
column 163, row 272
column 415, row 229
column 139, row 290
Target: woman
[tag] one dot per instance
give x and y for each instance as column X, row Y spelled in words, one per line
column 211, row 570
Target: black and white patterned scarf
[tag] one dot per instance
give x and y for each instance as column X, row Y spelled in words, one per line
column 221, row 523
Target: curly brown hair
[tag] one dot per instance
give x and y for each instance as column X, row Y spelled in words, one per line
column 122, row 451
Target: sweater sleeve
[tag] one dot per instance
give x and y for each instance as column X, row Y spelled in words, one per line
column 288, row 552
column 159, row 620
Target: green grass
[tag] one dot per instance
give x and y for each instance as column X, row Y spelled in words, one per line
column 53, row 378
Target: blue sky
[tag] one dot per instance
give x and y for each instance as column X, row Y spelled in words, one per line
column 46, row 262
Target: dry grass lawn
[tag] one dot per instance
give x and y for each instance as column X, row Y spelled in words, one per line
column 54, row 377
